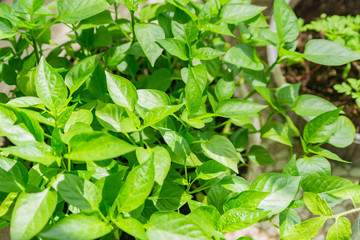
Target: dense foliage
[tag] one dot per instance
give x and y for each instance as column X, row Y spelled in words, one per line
column 136, row 132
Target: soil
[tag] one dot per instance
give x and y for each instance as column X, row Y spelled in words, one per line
column 317, row 79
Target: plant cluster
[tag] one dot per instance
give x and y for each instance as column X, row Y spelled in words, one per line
column 352, row 88
column 344, row 30
column 137, row 133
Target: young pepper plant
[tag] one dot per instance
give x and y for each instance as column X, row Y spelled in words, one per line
column 136, row 132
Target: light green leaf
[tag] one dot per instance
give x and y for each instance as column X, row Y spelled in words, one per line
column 245, row 56
column 79, row 73
column 157, row 114
column 306, row 230
column 26, row 101
column 226, row 155
column 320, row 129
column 311, row 106
column 9, row 127
column 175, row 47
column 83, row 226
column 237, row 108
column 325, row 153
column 287, row 94
column 34, row 152
column 247, row 199
column 50, row 86
column 224, row 89
column 78, row 192
column 321, row 184
column 313, row 166
column 234, row 183
column 80, row 116
column 340, row 230
column 344, row 133
column 31, row 6
column 237, row 12
column 316, row 204
column 137, row 187
column 210, row 169
column 31, row 213
column 193, row 93
column 72, row 11
column 328, row 53
column 162, row 162
column 6, row 29
column 131, row 226
column 286, row 21
column 171, row 225
column 89, row 146
column 218, row 29
column 147, row 34
column 288, row 219
column 282, row 188
column 13, row 175
column 239, row 218
column 278, row 132
column 206, row 53
column 121, row 91
column 115, row 118
column 207, row 218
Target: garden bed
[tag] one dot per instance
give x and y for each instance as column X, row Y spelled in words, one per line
column 317, row 79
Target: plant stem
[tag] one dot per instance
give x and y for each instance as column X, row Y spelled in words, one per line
column 132, row 12
column 35, row 48
column 346, row 213
column 116, row 11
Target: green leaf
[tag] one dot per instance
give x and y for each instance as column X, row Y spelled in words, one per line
column 224, row 89
column 340, row 230
column 50, row 86
column 237, row 12
column 162, row 163
column 305, row 230
column 131, row 226
column 287, row 94
column 316, row 204
column 278, row 132
column 13, row 175
column 259, row 155
column 147, row 34
column 193, row 93
column 121, row 91
column 218, row 29
column 89, row 146
column 115, row 118
column 73, row 11
column 34, row 152
column 31, row 213
column 9, row 127
column 321, row 184
column 170, row 196
column 282, row 188
column 313, row 166
column 116, row 54
column 247, row 199
column 31, row 6
column 328, row 53
column 238, row 108
column 7, row 206
column 311, row 106
column 210, row 169
column 26, row 101
column 320, row 129
column 288, row 219
column 243, row 55
column 171, row 225
column 238, row 218
column 286, row 21
column 81, row 72
column 6, row 29
column 157, row 114
column 325, row 153
column 226, row 155
column 175, row 47
column 78, row 192
column 80, row 116
column 159, row 80
column 344, row 133
column 137, row 187
column 84, row 226
column 206, row 53
column 234, row 183
column 207, row 218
